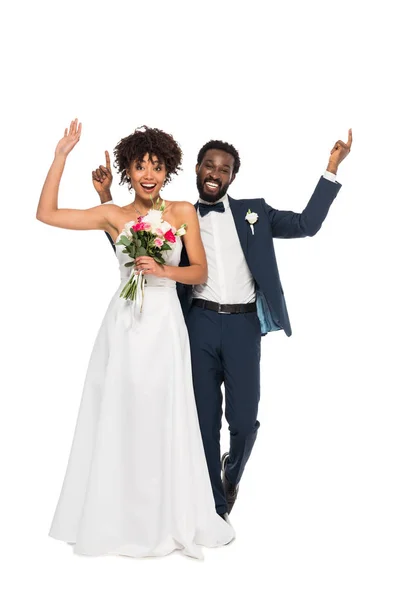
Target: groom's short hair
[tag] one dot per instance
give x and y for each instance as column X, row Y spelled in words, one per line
column 218, row 145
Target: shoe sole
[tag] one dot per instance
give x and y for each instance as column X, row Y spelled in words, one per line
column 223, row 460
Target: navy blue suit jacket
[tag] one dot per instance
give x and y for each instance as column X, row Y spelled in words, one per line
column 259, row 249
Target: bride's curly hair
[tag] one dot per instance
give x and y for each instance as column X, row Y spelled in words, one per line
column 149, row 140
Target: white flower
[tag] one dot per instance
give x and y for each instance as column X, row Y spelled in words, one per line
column 165, row 226
column 127, row 229
column 251, row 217
column 154, row 217
column 181, row 231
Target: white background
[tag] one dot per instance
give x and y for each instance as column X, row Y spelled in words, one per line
column 318, row 511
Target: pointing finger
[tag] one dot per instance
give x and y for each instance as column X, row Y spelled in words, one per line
column 108, row 162
column 350, row 137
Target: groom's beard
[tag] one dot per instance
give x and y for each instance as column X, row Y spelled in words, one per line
column 204, row 195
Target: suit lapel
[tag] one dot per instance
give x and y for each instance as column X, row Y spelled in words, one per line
column 239, row 216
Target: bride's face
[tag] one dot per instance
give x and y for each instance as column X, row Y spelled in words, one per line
column 147, row 177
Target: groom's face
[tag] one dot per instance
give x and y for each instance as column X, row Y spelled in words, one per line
column 214, row 175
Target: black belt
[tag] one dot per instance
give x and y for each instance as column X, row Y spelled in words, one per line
column 225, row 308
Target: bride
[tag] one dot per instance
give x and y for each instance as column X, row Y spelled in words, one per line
column 137, row 482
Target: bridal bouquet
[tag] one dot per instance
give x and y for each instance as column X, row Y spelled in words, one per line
column 149, row 236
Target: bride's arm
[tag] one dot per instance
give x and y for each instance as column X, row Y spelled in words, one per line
column 197, row 271
column 48, row 211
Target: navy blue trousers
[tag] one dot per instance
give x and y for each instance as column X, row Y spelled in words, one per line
column 226, row 350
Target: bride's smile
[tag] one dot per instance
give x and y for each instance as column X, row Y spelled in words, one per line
column 146, row 177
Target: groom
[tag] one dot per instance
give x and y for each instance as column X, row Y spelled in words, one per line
column 241, row 301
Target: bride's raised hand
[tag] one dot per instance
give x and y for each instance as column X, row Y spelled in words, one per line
column 70, row 139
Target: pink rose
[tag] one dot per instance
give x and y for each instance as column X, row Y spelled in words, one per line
column 158, row 242
column 146, row 226
column 159, row 232
column 169, row 236
column 140, row 226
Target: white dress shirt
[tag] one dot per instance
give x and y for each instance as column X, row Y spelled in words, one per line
column 229, row 278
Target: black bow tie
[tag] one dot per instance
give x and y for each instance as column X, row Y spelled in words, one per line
column 204, row 209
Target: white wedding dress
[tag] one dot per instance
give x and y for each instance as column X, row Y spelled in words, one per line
column 137, row 482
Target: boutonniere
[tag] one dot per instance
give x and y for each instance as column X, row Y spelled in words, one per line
column 251, row 218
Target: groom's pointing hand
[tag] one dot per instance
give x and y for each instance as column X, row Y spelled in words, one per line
column 339, row 152
column 102, row 179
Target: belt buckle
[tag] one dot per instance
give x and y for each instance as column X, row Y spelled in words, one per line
column 222, row 312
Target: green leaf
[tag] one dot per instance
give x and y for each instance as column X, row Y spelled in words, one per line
column 129, row 264
column 123, row 240
column 141, row 252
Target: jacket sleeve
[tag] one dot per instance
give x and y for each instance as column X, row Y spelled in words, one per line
column 110, row 240
column 289, row 224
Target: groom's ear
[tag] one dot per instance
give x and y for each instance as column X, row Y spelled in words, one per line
column 197, row 169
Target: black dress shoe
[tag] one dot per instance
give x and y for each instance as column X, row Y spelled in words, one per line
column 231, row 491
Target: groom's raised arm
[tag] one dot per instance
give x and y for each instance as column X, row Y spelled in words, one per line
column 102, row 180
column 289, row 224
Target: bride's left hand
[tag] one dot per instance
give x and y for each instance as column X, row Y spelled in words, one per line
column 149, row 266
column 70, row 139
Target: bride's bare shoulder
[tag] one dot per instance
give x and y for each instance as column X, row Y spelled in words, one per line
column 181, row 207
